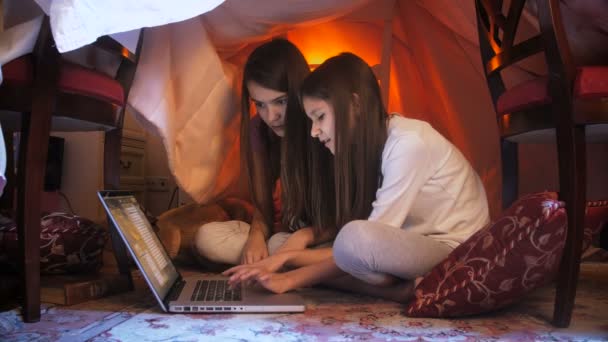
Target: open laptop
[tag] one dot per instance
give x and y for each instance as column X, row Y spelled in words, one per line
column 199, row 294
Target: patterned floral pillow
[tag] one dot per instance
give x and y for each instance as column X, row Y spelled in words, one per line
column 497, row 265
column 68, row 244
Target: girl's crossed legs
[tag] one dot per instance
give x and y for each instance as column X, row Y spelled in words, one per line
column 378, row 253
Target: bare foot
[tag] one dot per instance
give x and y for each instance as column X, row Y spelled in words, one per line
column 402, row 292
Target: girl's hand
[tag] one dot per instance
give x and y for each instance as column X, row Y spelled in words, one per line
column 243, row 273
column 255, row 248
column 275, row 282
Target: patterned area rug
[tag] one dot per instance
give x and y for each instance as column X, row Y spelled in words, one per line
column 330, row 316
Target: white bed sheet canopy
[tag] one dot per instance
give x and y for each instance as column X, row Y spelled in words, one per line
column 189, row 75
column 188, row 79
column 186, row 86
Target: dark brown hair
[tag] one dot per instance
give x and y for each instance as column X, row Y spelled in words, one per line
column 349, row 85
column 280, row 66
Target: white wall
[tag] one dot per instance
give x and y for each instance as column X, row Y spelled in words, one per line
column 82, row 174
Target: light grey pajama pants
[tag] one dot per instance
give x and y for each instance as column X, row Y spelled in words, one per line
column 369, row 250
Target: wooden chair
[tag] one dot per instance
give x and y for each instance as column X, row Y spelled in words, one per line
column 565, row 102
column 41, row 91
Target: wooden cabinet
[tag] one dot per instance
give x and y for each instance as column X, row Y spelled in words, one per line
column 133, row 164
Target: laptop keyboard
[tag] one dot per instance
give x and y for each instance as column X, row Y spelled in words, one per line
column 215, row 291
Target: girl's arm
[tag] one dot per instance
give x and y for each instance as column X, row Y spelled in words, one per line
column 307, row 257
column 303, row 238
column 312, row 274
column 300, row 239
column 258, row 224
column 255, row 248
column 406, row 166
column 301, row 277
column 298, row 258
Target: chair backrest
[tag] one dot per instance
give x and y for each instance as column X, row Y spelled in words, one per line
column 47, row 60
column 498, row 22
column 129, row 60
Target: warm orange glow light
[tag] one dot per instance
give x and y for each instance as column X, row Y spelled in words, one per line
column 506, row 121
column 323, row 41
column 313, row 66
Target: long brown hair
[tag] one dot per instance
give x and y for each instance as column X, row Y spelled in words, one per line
column 280, row 66
column 349, row 85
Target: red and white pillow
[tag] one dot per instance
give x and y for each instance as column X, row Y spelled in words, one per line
column 499, row 264
column 68, row 244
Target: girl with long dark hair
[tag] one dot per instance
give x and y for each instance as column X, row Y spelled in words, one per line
column 276, row 150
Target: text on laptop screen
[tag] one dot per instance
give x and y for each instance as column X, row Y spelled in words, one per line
column 144, row 243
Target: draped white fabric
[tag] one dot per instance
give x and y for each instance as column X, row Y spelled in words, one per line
column 188, row 94
column 186, row 86
column 79, row 22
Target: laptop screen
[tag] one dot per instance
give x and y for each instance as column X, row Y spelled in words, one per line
column 142, row 241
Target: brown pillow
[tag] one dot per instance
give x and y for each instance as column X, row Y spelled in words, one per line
column 499, row 264
column 177, row 227
column 237, row 209
column 68, row 244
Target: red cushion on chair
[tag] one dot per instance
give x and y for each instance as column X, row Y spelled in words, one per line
column 73, row 78
column 499, row 264
column 524, row 95
column 18, row 71
column 591, row 82
column 77, row 79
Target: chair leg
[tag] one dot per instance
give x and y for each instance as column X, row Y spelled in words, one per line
column 35, row 130
column 510, row 166
column 32, row 159
column 572, row 173
column 111, row 159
